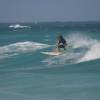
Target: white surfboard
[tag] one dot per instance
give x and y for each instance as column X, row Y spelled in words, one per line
column 52, row 53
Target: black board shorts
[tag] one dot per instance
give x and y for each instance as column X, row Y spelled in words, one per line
column 61, row 46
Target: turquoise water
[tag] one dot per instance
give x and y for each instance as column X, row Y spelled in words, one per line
column 26, row 73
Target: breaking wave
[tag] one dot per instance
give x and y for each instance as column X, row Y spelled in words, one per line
column 20, row 47
column 15, row 26
column 83, row 49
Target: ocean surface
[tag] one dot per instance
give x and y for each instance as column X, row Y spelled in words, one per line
column 27, row 74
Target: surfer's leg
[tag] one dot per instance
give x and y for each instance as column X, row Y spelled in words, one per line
column 58, row 48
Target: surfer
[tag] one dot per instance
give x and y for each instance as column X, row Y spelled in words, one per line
column 61, row 43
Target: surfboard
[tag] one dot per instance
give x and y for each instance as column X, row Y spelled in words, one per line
column 52, row 53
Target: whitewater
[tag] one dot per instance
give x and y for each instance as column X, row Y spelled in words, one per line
column 26, row 73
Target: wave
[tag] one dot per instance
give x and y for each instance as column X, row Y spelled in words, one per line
column 79, row 40
column 84, row 48
column 15, row 26
column 20, row 47
column 92, row 45
column 92, row 54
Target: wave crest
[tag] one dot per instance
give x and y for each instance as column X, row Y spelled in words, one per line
column 15, row 26
column 20, row 47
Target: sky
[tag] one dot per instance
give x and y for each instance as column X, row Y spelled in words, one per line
column 49, row 10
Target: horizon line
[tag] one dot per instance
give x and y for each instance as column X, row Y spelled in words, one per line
column 36, row 22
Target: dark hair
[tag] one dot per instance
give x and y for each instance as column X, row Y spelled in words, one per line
column 60, row 37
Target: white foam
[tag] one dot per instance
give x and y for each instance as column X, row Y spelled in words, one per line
column 67, row 58
column 18, row 26
column 92, row 54
column 79, row 40
column 20, row 47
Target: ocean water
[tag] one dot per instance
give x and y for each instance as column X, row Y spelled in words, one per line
column 27, row 74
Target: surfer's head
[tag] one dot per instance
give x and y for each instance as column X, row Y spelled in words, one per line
column 60, row 37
